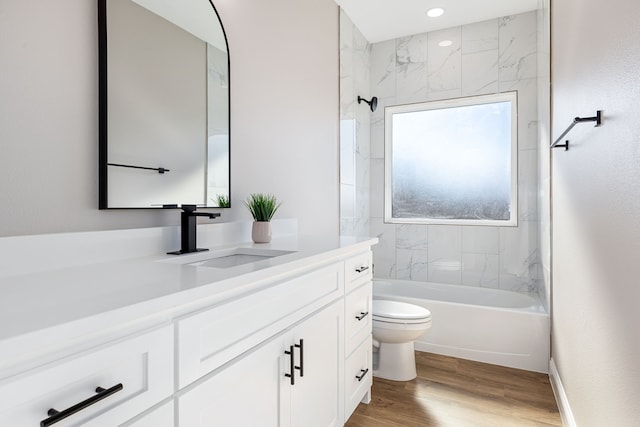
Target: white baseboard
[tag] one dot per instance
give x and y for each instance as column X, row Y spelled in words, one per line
column 561, row 397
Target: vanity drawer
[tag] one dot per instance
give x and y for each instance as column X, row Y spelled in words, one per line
column 357, row 316
column 212, row 337
column 135, row 373
column 358, row 374
column 358, row 269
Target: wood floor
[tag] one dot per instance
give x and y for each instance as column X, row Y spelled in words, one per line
column 452, row 392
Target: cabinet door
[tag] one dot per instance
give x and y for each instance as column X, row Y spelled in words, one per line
column 242, row 394
column 317, row 396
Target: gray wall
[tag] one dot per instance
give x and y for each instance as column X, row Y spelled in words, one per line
column 284, row 88
column 596, row 210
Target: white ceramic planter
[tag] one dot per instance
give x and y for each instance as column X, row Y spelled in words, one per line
column 261, row 232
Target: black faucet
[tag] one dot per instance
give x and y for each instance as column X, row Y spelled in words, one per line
column 188, row 229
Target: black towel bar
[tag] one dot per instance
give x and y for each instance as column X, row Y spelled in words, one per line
column 597, row 118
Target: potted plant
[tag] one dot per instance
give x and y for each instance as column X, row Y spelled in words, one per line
column 262, row 208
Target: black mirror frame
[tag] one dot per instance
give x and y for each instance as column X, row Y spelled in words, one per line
column 103, row 194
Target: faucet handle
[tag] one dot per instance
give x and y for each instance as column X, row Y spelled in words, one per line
column 191, row 211
column 188, row 208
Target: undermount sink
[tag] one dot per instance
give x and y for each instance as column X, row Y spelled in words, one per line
column 227, row 258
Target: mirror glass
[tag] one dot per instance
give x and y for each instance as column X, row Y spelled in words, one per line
column 164, row 104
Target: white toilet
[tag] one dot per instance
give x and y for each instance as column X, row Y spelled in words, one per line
column 395, row 326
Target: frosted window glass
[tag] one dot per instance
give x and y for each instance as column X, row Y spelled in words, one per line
column 452, row 164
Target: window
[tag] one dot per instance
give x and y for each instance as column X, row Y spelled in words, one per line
column 452, row 161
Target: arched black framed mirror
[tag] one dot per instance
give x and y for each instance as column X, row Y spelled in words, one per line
column 164, row 134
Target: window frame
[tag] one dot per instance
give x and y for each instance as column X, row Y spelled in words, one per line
column 511, row 96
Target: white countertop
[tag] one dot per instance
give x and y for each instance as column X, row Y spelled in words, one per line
column 39, row 305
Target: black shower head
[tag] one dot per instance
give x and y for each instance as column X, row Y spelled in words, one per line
column 373, row 104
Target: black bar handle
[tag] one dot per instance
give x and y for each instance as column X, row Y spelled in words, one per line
column 301, row 367
column 362, row 315
column 363, row 373
column 55, row 416
column 361, row 269
column 291, row 365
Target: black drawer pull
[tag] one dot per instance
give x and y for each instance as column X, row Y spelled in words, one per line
column 55, row 416
column 291, row 365
column 362, row 315
column 361, row 269
column 301, row 367
column 363, row 373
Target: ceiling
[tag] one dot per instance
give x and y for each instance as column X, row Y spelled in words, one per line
column 380, row 20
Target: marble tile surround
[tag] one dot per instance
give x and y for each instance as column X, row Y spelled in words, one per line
column 355, row 123
column 544, row 155
column 485, row 57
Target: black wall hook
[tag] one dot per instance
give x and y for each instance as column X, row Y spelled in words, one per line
column 373, row 104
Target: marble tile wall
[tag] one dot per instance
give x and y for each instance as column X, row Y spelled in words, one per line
column 355, row 121
column 485, row 57
column 544, row 156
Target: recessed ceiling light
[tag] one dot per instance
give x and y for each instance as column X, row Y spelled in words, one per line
column 445, row 43
column 435, row 12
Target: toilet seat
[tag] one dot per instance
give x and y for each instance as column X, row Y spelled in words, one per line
column 399, row 312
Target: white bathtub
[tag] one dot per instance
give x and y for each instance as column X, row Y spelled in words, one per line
column 487, row 325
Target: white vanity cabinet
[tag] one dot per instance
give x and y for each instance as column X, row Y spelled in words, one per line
column 288, row 345
column 215, row 335
column 358, row 367
column 329, row 353
column 258, row 388
column 133, row 374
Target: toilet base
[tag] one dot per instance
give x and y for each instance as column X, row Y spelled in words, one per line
column 396, row 362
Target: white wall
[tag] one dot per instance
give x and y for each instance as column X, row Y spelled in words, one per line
column 492, row 56
column 284, row 113
column 596, row 210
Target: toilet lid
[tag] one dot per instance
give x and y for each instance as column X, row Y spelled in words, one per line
column 395, row 310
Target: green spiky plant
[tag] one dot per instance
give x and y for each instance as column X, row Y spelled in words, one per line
column 262, row 206
column 223, row 201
